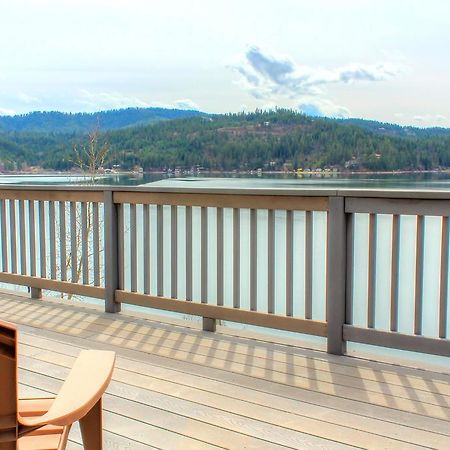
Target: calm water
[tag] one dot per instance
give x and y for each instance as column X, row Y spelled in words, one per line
column 407, row 245
column 390, row 181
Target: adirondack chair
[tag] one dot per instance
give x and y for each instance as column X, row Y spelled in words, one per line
column 44, row 423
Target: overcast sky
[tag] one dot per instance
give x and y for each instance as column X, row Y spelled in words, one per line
column 384, row 60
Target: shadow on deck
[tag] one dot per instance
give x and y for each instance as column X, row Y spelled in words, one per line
column 177, row 387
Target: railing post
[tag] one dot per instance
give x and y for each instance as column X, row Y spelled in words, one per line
column 336, row 274
column 209, row 324
column 36, row 293
column 111, row 253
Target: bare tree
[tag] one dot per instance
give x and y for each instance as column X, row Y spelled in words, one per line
column 89, row 158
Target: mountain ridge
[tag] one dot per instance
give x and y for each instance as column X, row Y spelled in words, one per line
column 61, row 122
column 82, row 122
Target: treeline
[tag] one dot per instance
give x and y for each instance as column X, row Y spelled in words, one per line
column 59, row 122
column 263, row 139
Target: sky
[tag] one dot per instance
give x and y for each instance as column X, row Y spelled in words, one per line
column 382, row 60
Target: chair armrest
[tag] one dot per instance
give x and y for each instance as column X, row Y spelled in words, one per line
column 85, row 385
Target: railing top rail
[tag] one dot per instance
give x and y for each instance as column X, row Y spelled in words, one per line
column 51, row 187
column 434, row 194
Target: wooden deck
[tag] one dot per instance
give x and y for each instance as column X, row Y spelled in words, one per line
column 178, row 387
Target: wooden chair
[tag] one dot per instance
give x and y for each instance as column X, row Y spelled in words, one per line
column 44, row 423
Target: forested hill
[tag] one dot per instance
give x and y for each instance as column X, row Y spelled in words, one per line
column 58, row 122
column 390, row 129
column 271, row 140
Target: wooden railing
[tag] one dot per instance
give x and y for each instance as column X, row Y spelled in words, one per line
column 285, row 259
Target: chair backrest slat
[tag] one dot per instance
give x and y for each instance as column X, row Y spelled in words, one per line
column 8, row 381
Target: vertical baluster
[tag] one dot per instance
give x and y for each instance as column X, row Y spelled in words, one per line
column 42, row 239
column 23, row 246
column 309, row 236
column 96, row 243
column 84, row 243
column 4, row 237
column 113, row 240
column 133, row 248
column 73, row 242
column 13, row 234
column 372, row 270
column 62, row 240
column 236, row 258
column 160, row 250
column 219, row 235
column 52, row 237
column 394, row 271
column 419, row 276
column 444, row 280
column 121, row 245
column 253, row 260
column 336, row 274
column 146, row 234
column 349, row 269
column 271, row 262
column 204, row 255
column 174, row 251
column 32, row 236
column 289, row 263
column 188, row 252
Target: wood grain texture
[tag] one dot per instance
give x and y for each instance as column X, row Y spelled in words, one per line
column 313, row 327
column 72, row 195
column 224, row 201
column 179, row 387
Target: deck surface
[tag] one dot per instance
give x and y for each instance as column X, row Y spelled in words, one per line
column 178, row 387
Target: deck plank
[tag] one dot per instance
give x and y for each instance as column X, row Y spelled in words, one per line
column 405, row 399
column 120, row 326
column 347, row 428
column 179, row 387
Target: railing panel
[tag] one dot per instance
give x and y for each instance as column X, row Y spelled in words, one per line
column 411, row 263
column 35, row 234
column 242, row 258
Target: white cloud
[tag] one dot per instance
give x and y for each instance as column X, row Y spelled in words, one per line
column 27, row 99
column 319, row 107
column 7, row 112
column 96, row 101
column 429, row 118
column 266, row 75
column 187, row 104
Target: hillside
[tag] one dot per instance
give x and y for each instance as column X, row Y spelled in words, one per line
column 58, row 122
column 270, row 140
column 389, row 129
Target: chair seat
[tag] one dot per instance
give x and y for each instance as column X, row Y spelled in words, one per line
column 44, row 423
column 49, row 437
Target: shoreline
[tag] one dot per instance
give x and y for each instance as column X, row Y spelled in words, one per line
column 220, row 172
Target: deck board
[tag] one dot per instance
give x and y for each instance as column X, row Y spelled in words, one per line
column 180, row 387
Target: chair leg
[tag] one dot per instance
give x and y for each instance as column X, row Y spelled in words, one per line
column 91, row 428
